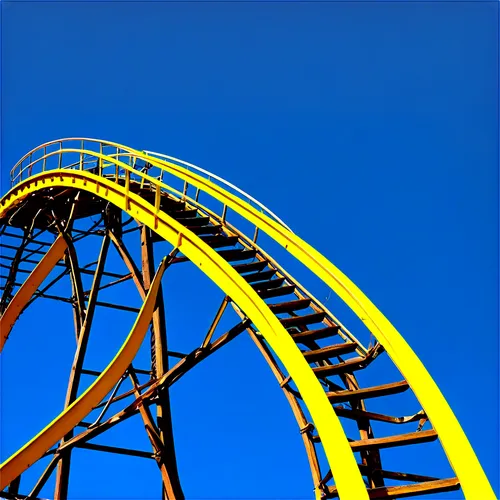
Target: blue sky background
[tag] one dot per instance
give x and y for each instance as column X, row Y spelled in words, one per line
column 371, row 128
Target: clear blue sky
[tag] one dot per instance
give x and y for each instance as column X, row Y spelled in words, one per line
column 371, row 128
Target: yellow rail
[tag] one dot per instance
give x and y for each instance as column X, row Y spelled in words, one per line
column 340, row 458
column 76, row 412
column 28, row 288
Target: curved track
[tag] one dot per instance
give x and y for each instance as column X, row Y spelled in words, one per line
column 320, row 357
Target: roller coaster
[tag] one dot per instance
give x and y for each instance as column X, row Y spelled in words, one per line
column 57, row 191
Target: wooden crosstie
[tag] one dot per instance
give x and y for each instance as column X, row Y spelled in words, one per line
column 58, row 191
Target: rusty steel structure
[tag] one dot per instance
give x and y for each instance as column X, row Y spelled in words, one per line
column 59, row 188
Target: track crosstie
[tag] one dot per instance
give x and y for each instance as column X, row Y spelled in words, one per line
column 316, row 360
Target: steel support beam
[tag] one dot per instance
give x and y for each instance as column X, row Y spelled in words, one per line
column 159, row 364
column 159, row 356
column 62, row 476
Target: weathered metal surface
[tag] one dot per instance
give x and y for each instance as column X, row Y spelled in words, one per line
column 200, row 235
column 70, row 417
column 25, row 292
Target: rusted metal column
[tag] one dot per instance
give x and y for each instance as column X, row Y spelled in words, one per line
column 71, row 261
column 62, row 476
column 159, row 364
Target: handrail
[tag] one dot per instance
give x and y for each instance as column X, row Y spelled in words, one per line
column 456, row 445
column 337, row 450
column 222, row 181
column 344, row 332
column 103, row 143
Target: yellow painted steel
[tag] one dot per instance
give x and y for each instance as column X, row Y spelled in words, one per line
column 455, row 443
column 70, row 417
column 340, row 457
column 25, row 292
column 460, row 453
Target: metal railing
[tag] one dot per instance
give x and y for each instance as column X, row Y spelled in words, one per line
column 211, row 176
column 120, row 165
column 24, row 167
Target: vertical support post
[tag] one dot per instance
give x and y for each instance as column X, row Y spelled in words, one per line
column 59, row 161
column 159, row 364
column 255, row 234
column 62, row 477
column 81, row 155
column 71, row 261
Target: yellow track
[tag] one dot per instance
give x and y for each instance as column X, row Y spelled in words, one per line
column 340, row 457
column 69, row 418
column 28, row 288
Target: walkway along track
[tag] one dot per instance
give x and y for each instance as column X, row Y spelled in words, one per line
column 319, row 356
